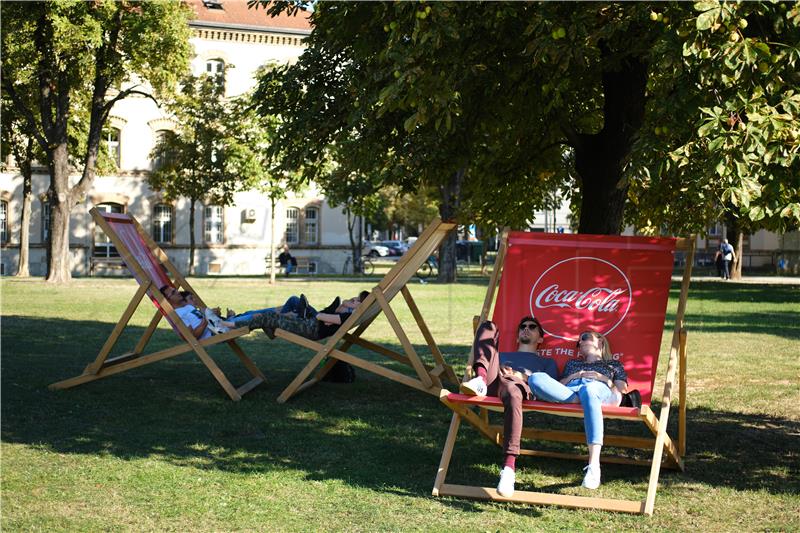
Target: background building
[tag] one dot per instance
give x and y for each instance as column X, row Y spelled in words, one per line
column 230, row 240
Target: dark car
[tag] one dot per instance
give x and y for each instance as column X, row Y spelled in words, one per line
column 396, row 248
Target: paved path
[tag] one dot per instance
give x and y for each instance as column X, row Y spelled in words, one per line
column 768, row 280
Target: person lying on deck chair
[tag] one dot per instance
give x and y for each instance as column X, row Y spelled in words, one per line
column 595, row 380
column 191, row 315
column 314, row 325
column 203, row 322
column 505, row 375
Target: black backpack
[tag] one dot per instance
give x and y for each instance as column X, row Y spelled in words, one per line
column 341, row 373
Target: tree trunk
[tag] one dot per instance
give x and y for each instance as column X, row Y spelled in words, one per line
column 58, row 270
column 190, row 271
column 355, row 241
column 272, row 242
column 735, row 236
column 450, row 203
column 600, row 157
column 24, row 162
column 737, row 263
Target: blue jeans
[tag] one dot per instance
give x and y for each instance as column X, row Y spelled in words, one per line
column 291, row 306
column 589, row 392
column 243, row 319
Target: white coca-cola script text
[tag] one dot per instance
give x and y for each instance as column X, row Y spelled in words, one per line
column 599, row 299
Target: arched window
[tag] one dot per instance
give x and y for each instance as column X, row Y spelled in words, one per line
column 292, row 225
column 162, row 154
column 311, row 225
column 3, row 222
column 162, row 223
column 103, row 247
column 112, row 139
column 213, row 224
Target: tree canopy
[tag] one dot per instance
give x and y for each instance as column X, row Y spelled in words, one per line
column 620, row 106
column 62, row 56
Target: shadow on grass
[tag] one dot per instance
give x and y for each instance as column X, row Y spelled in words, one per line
column 373, row 433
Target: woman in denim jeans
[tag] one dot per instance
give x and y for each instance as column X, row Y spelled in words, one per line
column 596, row 380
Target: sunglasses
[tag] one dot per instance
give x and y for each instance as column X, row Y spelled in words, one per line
column 528, row 326
column 587, row 337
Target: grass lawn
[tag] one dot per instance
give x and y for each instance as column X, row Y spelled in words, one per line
column 161, row 448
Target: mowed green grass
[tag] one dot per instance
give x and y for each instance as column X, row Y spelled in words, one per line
column 161, row 448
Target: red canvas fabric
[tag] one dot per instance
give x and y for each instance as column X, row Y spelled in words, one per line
column 124, row 228
column 617, row 286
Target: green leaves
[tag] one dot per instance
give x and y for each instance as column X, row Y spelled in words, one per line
column 710, row 13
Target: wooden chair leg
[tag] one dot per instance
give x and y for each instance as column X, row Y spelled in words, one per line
column 447, row 453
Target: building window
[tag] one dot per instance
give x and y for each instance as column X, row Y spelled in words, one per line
column 215, row 68
column 103, row 247
column 45, row 221
column 112, row 137
column 213, row 224
column 311, row 225
column 162, row 223
column 3, row 222
column 292, row 225
column 161, row 153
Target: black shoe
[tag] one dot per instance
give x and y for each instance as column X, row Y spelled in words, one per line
column 333, row 306
column 302, row 307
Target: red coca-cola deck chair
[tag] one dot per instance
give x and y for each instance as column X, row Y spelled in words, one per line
column 152, row 269
column 618, row 286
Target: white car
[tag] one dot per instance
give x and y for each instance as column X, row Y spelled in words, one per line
column 373, row 249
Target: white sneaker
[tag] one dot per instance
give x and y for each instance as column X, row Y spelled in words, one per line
column 474, row 387
column 592, row 478
column 214, row 322
column 506, row 485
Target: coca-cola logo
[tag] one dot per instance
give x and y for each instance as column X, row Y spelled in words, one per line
column 580, row 293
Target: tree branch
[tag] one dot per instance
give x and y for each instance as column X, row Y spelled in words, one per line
column 23, row 110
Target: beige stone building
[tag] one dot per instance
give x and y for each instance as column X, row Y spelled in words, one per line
column 230, row 240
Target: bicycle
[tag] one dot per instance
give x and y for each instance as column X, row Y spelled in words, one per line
column 367, row 266
column 427, row 268
column 430, row 266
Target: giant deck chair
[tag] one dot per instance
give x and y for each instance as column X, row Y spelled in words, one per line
column 151, row 268
column 425, row 378
column 571, row 283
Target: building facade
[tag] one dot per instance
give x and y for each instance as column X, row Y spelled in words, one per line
column 232, row 239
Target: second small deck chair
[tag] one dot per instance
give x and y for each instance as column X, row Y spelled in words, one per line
column 617, row 286
column 152, row 268
column 425, row 378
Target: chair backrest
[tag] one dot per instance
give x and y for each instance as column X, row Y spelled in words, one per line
column 406, row 268
column 617, row 286
column 126, row 234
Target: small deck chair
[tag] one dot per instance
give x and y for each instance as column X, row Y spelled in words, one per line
column 615, row 285
column 426, row 378
column 152, row 268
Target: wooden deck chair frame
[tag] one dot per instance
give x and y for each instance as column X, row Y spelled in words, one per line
column 427, row 378
column 666, row 451
column 104, row 366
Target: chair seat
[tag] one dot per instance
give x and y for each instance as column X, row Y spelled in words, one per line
column 494, row 403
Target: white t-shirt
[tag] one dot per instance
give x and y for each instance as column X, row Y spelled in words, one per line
column 192, row 317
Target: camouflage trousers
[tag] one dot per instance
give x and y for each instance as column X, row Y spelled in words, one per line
column 269, row 321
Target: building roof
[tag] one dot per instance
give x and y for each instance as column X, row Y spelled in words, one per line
column 235, row 14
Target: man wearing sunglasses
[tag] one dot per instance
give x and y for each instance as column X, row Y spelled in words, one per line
column 506, row 375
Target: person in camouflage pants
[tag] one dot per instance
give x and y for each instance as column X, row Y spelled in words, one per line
column 269, row 321
column 322, row 325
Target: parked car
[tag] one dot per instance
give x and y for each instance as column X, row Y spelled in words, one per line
column 396, row 248
column 374, row 249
